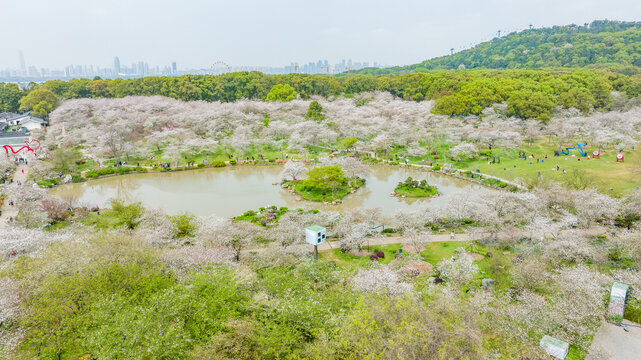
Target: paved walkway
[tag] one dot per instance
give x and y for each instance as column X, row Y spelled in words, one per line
column 616, row 342
column 9, row 211
column 397, row 240
column 333, row 244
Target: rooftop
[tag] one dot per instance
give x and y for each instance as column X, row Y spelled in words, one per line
column 315, row 228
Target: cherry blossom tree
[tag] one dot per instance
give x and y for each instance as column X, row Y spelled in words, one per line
column 593, row 206
column 380, row 279
column 458, row 269
column 463, row 150
column 293, row 170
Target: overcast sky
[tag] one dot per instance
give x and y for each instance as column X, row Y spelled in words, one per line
column 195, row 33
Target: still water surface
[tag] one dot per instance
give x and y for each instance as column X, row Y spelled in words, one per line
column 230, row 191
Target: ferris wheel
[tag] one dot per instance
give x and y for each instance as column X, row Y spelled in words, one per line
column 219, row 67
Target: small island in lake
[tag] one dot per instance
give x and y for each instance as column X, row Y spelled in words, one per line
column 327, row 184
column 415, row 188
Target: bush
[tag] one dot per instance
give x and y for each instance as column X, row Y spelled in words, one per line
column 77, row 178
column 184, row 225
column 113, row 170
column 373, row 257
column 219, row 163
column 436, row 167
column 232, row 162
column 380, row 254
column 129, row 215
column 201, row 165
column 47, row 183
column 389, row 230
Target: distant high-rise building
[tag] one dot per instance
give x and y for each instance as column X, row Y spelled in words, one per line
column 174, row 69
column 116, row 65
column 23, row 65
column 33, row 72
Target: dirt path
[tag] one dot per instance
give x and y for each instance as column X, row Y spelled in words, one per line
column 616, row 342
column 9, row 211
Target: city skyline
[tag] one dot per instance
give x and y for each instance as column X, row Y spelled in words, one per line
column 120, row 69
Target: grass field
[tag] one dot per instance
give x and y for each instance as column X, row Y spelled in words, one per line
column 604, row 174
column 434, row 252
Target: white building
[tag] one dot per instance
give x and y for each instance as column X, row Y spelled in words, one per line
column 31, row 122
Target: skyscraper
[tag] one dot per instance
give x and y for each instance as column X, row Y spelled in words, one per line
column 23, row 65
column 116, row 65
column 174, row 69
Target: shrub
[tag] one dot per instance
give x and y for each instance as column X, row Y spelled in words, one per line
column 77, row 178
column 380, row 254
column 129, row 215
column 47, row 183
column 219, row 163
column 184, row 225
column 113, row 170
column 436, row 167
column 201, row 165
column 373, row 257
column 389, row 231
column 232, row 162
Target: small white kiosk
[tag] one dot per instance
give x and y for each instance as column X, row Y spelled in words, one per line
column 315, row 235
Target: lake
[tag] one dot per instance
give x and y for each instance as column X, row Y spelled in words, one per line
column 232, row 190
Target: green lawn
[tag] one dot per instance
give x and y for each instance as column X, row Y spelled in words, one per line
column 434, row 252
column 604, row 173
column 106, row 220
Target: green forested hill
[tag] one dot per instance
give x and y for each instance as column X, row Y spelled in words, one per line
column 600, row 43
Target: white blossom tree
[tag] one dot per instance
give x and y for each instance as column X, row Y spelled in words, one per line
column 459, row 269
column 293, row 170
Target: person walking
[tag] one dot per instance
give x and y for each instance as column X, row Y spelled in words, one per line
column 452, row 236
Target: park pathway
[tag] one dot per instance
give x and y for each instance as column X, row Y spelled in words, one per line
column 9, row 211
column 384, row 240
column 616, row 342
column 327, row 245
